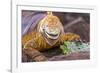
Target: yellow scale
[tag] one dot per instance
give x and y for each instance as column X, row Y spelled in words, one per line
column 50, row 33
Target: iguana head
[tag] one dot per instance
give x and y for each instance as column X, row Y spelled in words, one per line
column 51, row 28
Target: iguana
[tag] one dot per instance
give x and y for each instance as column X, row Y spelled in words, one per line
column 48, row 33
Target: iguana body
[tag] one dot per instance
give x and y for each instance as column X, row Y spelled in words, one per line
column 37, row 41
column 49, row 33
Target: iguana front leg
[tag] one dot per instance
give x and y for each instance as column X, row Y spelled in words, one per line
column 69, row 37
column 31, row 47
column 34, row 54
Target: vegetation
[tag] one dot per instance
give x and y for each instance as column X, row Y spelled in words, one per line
column 74, row 46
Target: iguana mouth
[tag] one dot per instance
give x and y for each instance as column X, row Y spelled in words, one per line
column 52, row 33
column 52, row 36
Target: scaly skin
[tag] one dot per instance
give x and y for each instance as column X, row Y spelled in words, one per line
column 45, row 37
column 38, row 43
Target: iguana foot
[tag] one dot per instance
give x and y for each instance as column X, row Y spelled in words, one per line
column 35, row 54
column 69, row 37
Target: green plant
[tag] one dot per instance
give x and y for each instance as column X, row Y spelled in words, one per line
column 65, row 49
column 74, row 46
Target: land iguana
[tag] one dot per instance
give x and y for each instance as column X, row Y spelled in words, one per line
column 49, row 33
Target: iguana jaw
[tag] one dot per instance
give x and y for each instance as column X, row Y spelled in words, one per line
column 52, row 33
column 52, row 36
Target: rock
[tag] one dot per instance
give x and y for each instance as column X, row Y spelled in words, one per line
column 73, row 56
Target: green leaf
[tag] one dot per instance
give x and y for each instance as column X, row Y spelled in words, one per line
column 67, row 43
column 65, row 49
column 78, row 43
column 74, row 46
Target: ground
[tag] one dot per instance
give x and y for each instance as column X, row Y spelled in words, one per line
column 55, row 54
